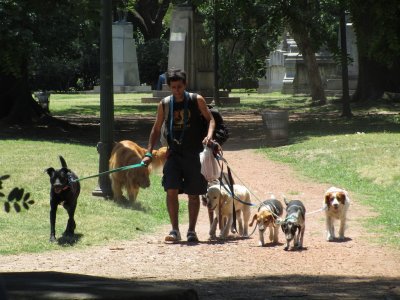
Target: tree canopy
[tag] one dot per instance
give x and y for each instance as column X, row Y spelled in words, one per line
column 33, row 33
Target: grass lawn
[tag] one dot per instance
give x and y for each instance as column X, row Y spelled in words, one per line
column 98, row 220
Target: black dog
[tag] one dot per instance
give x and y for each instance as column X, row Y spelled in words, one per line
column 64, row 190
column 295, row 223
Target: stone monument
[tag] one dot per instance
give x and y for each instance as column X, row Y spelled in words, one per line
column 125, row 64
column 287, row 59
column 275, row 72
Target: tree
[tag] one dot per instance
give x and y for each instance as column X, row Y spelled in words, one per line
column 29, row 29
column 252, row 29
column 313, row 24
column 246, row 36
column 377, row 26
column 148, row 15
column 150, row 33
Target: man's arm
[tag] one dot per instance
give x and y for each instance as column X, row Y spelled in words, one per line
column 155, row 132
column 208, row 116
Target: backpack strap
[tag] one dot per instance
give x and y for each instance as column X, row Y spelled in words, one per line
column 165, row 105
column 164, row 128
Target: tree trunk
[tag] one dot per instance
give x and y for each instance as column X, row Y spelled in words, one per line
column 19, row 107
column 374, row 77
column 17, row 104
column 149, row 15
column 369, row 85
column 314, row 78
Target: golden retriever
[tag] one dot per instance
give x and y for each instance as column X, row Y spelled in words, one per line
column 220, row 200
column 127, row 153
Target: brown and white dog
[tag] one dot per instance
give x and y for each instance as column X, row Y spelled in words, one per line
column 221, row 201
column 268, row 212
column 337, row 203
column 127, row 153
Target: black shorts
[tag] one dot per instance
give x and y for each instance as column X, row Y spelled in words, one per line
column 183, row 172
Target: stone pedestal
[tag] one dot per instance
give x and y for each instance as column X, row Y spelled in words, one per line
column 275, row 73
column 287, row 60
column 125, row 65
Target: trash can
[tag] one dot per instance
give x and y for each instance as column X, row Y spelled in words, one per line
column 43, row 99
column 276, row 123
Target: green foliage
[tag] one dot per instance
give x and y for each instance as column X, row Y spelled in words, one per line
column 246, row 36
column 152, row 60
column 377, row 26
column 38, row 34
column 249, row 30
column 14, row 197
column 320, row 19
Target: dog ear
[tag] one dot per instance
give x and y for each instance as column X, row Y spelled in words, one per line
column 50, row 171
column 327, row 199
column 254, row 218
column 341, row 197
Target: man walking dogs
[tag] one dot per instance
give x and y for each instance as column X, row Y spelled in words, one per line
column 185, row 138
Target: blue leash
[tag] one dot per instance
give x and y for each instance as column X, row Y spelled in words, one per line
column 141, row 164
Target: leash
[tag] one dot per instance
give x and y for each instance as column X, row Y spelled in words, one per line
column 318, row 210
column 219, row 157
column 236, row 197
column 141, row 164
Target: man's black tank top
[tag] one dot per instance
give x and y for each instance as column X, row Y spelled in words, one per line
column 187, row 137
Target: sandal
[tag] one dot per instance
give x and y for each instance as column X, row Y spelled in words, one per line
column 173, row 236
column 192, row 237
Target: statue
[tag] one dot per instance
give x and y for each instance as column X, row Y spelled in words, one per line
column 122, row 10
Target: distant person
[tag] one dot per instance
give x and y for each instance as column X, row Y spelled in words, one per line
column 182, row 170
column 161, row 81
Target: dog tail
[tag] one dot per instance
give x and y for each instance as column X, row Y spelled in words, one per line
column 63, row 163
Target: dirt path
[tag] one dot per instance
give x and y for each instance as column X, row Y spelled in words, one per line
column 239, row 268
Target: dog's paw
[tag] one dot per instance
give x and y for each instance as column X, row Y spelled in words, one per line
column 212, row 237
column 222, row 237
column 68, row 233
column 286, row 248
column 52, row 239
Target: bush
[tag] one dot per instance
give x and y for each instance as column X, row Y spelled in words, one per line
column 152, row 60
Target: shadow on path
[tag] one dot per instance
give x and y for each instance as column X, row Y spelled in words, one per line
column 46, row 285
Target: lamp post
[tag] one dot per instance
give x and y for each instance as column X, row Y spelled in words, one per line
column 346, row 110
column 216, row 57
column 104, row 147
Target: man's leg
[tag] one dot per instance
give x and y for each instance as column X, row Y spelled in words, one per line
column 173, row 208
column 194, row 208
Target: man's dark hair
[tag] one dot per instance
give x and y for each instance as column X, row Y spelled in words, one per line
column 176, row 75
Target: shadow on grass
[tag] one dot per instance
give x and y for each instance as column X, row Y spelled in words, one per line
column 126, row 203
column 246, row 134
column 92, row 110
column 324, row 125
column 68, row 240
column 44, row 285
